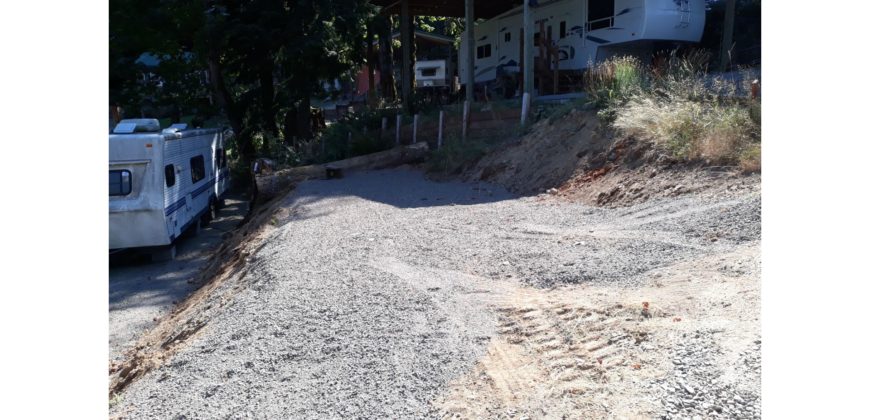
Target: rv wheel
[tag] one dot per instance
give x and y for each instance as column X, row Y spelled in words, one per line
column 210, row 214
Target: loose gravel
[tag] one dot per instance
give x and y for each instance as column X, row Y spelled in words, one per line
column 351, row 310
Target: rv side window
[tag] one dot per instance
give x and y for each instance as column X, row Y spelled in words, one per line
column 197, row 169
column 220, row 158
column 507, row 37
column 428, row 72
column 484, row 51
column 120, row 182
column 562, row 29
column 169, row 174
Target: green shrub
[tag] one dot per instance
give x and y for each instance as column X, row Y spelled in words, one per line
column 690, row 114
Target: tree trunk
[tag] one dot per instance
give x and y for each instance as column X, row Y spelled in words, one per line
column 267, row 97
column 371, row 60
column 225, row 101
column 385, row 50
column 303, row 116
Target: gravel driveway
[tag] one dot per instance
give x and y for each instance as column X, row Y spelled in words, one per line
column 375, row 293
column 140, row 291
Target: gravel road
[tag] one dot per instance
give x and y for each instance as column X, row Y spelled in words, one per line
column 376, row 292
column 140, row 291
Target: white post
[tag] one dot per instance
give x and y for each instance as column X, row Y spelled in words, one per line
column 398, row 128
column 440, row 127
column 466, row 110
column 525, row 110
column 383, row 126
column 414, row 136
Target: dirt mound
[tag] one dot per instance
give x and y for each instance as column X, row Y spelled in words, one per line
column 577, row 158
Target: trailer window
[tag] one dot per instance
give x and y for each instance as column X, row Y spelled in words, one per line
column 197, row 169
column 169, row 174
column 507, row 37
column 562, row 29
column 428, row 72
column 120, row 182
column 484, row 51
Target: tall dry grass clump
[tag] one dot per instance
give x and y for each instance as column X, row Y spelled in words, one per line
column 679, row 106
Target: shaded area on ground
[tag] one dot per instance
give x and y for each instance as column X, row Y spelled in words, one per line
column 140, row 291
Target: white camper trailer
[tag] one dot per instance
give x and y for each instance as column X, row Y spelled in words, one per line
column 163, row 182
column 584, row 31
column 432, row 74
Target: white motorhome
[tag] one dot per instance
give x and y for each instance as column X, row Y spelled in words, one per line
column 584, row 31
column 163, row 182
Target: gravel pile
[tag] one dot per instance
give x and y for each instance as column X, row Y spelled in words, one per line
column 697, row 388
column 352, row 306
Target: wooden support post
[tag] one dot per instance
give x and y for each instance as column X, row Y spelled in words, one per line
column 470, row 51
column 465, row 119
column 528, row 44
column 440, row 128
column 405, row 28
column 524, row 113
column 398, row 129
column 414, row 135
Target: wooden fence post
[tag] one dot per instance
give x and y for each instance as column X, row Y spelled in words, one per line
column 414, row 135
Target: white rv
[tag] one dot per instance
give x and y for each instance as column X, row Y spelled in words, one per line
column 584, row 31
column 163, row 182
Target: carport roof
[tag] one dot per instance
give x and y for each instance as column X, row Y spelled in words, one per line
column 483, row 9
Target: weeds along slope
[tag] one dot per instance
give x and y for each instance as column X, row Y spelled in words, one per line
column 677, row 105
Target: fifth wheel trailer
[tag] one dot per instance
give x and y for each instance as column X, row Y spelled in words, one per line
column 162, row 182
column 584, row 31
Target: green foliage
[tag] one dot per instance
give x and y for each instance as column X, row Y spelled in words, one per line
column 365, row 137
column 614, row 80
column 455, row 155
column 252, row 58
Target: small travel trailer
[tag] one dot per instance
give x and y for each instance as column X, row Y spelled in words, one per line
column 162, row 182
column 432, row 74
column 583, row 31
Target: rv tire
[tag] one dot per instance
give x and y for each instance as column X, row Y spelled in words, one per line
column 210, row 214
column 166, row 253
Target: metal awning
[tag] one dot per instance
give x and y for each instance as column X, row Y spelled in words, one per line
column 483, row 9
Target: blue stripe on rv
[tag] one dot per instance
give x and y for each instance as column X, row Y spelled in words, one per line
column 203, row 188
column 175, row 206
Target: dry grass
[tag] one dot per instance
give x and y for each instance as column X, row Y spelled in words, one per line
column 679, row 107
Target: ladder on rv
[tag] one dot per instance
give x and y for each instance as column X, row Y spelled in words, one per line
column 685, row 14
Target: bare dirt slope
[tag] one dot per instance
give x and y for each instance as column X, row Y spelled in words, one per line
column 383, row 294
column 575, row 157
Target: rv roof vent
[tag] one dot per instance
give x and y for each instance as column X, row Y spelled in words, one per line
column 137, row 125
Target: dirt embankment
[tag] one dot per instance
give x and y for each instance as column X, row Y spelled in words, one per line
column 578, row 158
